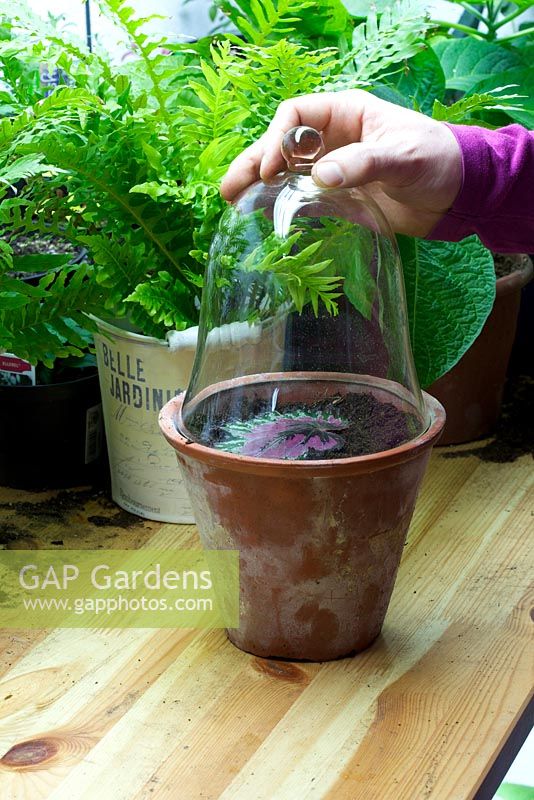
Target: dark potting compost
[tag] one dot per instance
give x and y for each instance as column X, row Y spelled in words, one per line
column 506, row 263
column 33, row 244
column 29, row 250
column 84, row 518
column 342, row 426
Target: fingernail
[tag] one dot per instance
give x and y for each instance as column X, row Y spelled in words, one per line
column 327, row 173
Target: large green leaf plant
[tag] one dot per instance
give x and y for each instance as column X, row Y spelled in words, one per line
column 126, row 160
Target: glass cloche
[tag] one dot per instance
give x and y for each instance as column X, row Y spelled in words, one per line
column 303, row 351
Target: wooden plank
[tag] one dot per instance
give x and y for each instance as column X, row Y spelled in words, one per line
column 70, row 691
column 259, row 696
column 174, row 713
column 14, row 644
column 183, row 714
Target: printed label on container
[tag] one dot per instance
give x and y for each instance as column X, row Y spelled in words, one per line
column 137, row 378
column 15, row 371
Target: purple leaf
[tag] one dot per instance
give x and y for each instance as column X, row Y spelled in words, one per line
column 290, row 435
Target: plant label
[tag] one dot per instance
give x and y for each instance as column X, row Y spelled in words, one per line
column 15, row 371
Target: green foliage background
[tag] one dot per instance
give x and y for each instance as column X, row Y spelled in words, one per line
column 126, row 159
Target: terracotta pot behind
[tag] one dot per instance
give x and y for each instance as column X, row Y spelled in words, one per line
column 471, row 392
column 320, row 541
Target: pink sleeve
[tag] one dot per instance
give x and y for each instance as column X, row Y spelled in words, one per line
column 496, row 200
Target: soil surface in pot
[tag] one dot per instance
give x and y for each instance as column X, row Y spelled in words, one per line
column 36, row 244
column 342, row 426
column 505, row 264
column 28, row 245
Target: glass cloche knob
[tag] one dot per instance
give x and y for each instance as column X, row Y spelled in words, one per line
column 301, row 147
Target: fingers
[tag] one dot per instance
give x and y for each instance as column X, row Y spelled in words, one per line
column 334, row 113
column 313, row 110
column 244, row 170
column 357, row 164
column 338, row 115
column 263, row 158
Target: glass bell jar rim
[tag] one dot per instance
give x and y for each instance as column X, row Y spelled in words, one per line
column 171, row 420
column 389, row 391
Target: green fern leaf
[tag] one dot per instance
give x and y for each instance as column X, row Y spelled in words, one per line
column 380, row 43
column 119, row 267
column 166, row 300
column 46, row 323
column 298, row 273
column 463, row 109
column 64, row 99
column 6, row 257
column 23, row 169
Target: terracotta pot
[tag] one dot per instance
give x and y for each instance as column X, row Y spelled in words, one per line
column 320, row 541
column 471, row 392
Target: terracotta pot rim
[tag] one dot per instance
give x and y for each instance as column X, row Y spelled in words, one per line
column 298, row 469
column 518, row 278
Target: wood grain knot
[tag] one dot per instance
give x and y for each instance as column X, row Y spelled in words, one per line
column 27, row 754
column 50, row 749
column 532, row 614
column 283, row 670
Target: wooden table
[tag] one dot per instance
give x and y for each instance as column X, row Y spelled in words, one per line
column 435, row 709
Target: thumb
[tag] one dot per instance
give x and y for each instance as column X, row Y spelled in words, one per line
column 357, row 164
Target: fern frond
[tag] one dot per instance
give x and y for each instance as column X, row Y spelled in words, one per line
column 23, row 215
column 42, row 323
column 381, row 42
column 286, row 67
column 145, row 46
column 221, row 112
column 6, row 257
column 461, row 111
column 263, row 21
column 64, row 100
column 118, row 266
column 166, row 301
column 23, row 168
column 112, row 185
column 298, row 273
column 39, row 38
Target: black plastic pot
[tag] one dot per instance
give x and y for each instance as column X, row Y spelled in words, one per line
column 52, row 436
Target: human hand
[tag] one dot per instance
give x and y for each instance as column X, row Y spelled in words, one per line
column 410, row 163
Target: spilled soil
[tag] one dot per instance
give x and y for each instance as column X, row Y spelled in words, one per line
column 78, row 518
